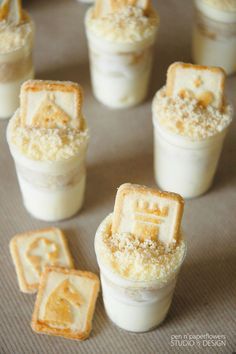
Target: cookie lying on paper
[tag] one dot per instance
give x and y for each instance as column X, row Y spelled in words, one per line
column 147, row 213
column 204, row 83
column 32, row 251
column 51, row 104
column 65, row 303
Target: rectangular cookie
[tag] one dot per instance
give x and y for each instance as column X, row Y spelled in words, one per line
column 65, row 303
column 204, row 83
column 31, row 251
column 51, row 104
column 147, row 213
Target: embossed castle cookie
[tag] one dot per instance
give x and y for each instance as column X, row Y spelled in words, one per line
column 147, row 213
column 11, row 11
column 31, row 251
column 104, row 7
column 51, row 104
column 204, row 83
column 65, row 303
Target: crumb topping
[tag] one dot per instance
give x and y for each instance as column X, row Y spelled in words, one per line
column 47, row 144
column 135, row 259
column 13, row 37
column 129, row 24
column 227, row 5
column 184, row 116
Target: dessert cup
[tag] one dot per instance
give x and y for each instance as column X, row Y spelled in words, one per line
column 135, row 306
column 16, row 66
column 184, row 165
column 86, row 1
column 51, row 190
column 214, row 37
column 120, row 72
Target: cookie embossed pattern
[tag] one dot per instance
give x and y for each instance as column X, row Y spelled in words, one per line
column 140, row 249
column 32, row 251
column 48, row 139
column 65, row 303
column 191, row 117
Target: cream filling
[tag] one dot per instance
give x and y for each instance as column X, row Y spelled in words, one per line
column 13, row 37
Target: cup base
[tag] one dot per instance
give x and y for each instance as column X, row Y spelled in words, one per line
column 128, row 316
column 53, row 206
column 134, row 332
column 52, row 219
column 185, row 194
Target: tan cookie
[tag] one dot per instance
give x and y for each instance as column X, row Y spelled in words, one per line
column 31, row 251
column 204, row 83
column 65, row 303
column 104, row 7
column 51, row 104
column 11, row 11
column 147, row 213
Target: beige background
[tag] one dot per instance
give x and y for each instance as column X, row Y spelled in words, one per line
column 120, row 151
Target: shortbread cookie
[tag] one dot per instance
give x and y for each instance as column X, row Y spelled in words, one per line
column 51, row 104
column 31, row 251
column 204, row 83
column 147, row 213
column 104, row 7
column 11, row 11
column 65, row 303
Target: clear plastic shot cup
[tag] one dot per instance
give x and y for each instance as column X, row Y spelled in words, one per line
column 86, row 1
column 214, row 36
column 16, row 66
column 120, row 72
column 135, row 306
column 51, row 190
column 183, row 165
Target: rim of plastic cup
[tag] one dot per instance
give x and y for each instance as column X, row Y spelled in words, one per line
column 185, row 141
column 36, row 164
column 118, row 46
column 123, row 281
column 214, row 13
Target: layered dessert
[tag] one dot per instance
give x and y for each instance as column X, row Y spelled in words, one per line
column 48, row 139
column 120, row 39
column 214, row 34
column 190, row 118
column 140, row 249
column 86, row 1
column 16, row 66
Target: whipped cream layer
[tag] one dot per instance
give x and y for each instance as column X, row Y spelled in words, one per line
column 225, row 5
column 137, row 260
column 13, row 37
column 46, row 144
column 127, row 25
column 184, row 116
